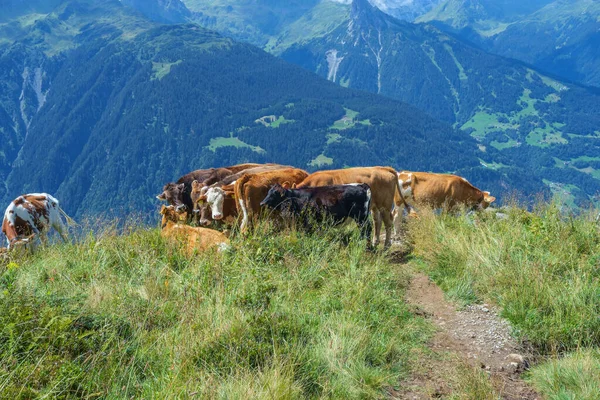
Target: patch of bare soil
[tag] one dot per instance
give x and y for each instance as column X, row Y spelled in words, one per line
column 475, row 336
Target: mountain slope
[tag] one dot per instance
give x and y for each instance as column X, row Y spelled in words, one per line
column 125, row 116
column 516, row 113
column 561, row 35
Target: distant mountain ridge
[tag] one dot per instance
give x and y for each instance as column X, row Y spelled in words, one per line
column 558, row 36
column 520, row 116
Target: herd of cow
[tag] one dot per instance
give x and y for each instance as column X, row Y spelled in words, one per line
column 241, row 193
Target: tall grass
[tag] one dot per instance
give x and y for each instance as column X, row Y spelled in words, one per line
column 280, row 315
column 542, row 268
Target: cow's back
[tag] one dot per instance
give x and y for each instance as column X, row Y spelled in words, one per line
column 194, row 238
column 381, row 180
column 438, row 190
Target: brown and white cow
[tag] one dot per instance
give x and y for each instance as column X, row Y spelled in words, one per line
column 201, row 192
column 249, row 190
column 229, row 211
column 33, row 215
column 383, row 182
column 178, row 194
column 191, row 238
column 442, row 190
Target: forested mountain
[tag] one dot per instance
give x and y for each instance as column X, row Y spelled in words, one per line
column 516, row 110
column 558, row 36
column 127, row 107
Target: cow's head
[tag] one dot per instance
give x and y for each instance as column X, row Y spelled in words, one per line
column 173, row 194
column 170, row 213
column 487, row 200
column 198, row 196
column 205, row 215
column 276, row 195
column 215, row 197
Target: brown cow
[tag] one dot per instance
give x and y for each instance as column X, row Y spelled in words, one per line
column 251, row 189
column 200, row 191
column 193, row 239
column 383, row 182
column 229, row 211
column 247, row 191
column 442, row 190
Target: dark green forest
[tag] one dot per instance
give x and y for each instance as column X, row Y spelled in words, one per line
column 141, row 113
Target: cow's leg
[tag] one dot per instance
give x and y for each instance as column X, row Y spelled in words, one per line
column 244, row 214
column 366, row 228
column 62, row 231
column 377, row 219
column 254, row 209
column 388, row 220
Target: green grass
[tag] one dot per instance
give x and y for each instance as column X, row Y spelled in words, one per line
column 541, row 269
column 576, row 376
column 218, row 142
column 321, row 160
column 349, row 120
column 505, row 145
column 160, row 70
column 278, row 316
column 483, row 122
column 279, row 121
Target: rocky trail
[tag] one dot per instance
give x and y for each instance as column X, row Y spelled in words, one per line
column 474, row 337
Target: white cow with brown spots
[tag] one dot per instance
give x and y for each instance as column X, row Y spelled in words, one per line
column 33, row 215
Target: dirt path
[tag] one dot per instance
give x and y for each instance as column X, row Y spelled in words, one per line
column 475, row 336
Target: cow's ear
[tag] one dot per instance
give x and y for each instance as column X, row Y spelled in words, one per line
column 285, row 185
column 181, row 186
column 489, row 199
column 162, row 197
column 230, row 194
column 195, row 184
column 163, row 210
column 293, row 186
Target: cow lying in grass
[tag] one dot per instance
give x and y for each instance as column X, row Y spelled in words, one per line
column 192, row 239
column 317, row 204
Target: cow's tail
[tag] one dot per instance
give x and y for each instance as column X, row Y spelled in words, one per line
column 70, row 221
column 399, row 198
column 239, row 196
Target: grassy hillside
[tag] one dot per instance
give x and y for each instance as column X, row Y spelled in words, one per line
column 288, row 315
column 277, row 316
column 541, row 268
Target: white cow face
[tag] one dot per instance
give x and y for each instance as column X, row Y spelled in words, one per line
column 405, row 180
column 215, row 197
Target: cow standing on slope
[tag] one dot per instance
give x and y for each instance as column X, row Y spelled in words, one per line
column 442, row 191
column 32, row 215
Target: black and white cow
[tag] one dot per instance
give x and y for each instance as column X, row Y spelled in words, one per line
column 335, row 202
